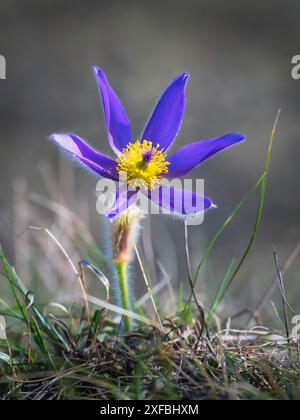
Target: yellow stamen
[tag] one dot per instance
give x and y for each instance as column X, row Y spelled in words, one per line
column 142, row 165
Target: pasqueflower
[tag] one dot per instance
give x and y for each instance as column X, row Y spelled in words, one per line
column 144, row 163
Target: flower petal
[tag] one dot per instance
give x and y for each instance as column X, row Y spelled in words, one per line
column 123, row 200
column 189, row 156
column 86, row 155
column 117, row 121
column 177, row 201
column 168, row 113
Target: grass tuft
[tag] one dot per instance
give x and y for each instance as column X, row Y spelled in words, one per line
column 47, row 357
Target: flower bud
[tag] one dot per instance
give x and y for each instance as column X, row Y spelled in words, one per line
column 124, row 232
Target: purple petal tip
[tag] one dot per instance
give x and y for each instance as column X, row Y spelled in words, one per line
column 98, row 72
column 52, row 137
column 184, row 76
column 239, row 136
column 96, row 69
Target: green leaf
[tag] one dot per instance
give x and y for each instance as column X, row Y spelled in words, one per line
column 7, row 359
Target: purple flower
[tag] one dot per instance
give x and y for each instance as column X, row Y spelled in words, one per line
column 143, row 163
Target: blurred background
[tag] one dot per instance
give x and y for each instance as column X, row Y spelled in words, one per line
column 239, row 58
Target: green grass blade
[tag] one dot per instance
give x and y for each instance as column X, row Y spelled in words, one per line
column 10, row 276
column 219, row 232
column 260, row 206
column 16, row 284
column 220, row 292
column 7, row 359
column 262, row 183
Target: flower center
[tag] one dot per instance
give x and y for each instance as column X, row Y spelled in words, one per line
column 142, row 165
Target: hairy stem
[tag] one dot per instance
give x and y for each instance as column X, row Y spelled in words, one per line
column 123, row 285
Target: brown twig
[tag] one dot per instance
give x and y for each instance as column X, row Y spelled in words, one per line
column 283, row 295
column 200, row 309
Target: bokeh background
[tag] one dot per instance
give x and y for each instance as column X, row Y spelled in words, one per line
column 239, row 57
